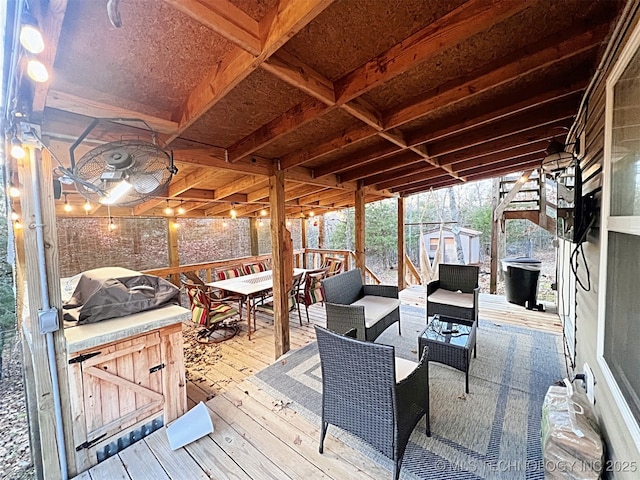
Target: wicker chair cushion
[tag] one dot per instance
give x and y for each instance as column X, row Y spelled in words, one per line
column 376, row 308
column 404, row 368
column 447, row 297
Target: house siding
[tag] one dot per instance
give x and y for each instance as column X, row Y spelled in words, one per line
column 620, row 445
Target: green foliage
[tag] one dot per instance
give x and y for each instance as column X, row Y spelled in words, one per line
column 479, row 218
column 7, row 297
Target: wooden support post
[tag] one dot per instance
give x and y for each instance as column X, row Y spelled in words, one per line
column 321, row 232
column 495, row 232
column 401, row 247
column 281, row 249
column 172, row 243
column 360, row 229
column 253, row 236
column 34, row 342
column 543, row 200
column 304, row 223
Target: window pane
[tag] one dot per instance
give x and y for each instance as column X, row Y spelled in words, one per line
column 625, row 148
column 622, row 326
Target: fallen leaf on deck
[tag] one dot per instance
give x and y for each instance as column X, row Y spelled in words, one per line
column 297, row 440
column 237, row 403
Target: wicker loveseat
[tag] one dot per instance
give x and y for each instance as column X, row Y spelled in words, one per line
column 370, row 309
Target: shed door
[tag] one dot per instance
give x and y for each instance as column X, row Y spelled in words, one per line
column 122, row 386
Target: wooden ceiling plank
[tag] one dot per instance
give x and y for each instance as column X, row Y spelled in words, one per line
column 298, row 74
column 210, row 157
column 471, row 18
column 365, row 112
column 330, row 144
column 224, row 18
column 544, row 54
column 445, row 182
column 240, row 184
column 51, row 24
column 91, row 108
column 395, row 177
column 297, row 116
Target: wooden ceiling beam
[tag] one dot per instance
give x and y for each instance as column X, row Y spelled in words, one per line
column 402, row 175
column 363, row 157
column 479, row 115
column 445, row 182
column 512, row 164
column 91, row 108
column 526, row 61
column 224, row 18
column 519, row 151
column 330, row 144
column 50, row 22
column 522, row 122
column 526, row 137
column 386, row 164
column 295, row 117
column 469, row 19
column 287, row 18
column 300, row 75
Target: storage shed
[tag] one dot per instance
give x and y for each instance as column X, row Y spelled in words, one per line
column 469, row 238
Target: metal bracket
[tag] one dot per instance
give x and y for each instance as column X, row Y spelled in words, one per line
column 89, row 444
column 48, row 320
column 82, row 358
column 156, row 368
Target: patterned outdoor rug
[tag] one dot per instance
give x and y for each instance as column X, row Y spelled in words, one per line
column 493, row 432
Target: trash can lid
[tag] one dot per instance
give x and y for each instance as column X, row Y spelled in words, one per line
column 525, row 263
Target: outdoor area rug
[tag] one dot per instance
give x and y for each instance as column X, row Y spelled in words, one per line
column 491, row 433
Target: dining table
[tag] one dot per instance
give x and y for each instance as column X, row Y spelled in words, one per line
column 251, row 286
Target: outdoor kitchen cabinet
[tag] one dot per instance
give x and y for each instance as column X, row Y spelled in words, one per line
column 126, row 379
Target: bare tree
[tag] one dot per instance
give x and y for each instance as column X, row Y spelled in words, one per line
column 455, row 216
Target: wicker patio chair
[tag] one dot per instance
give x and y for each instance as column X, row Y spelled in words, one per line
column 455, row 293
column 312, row 291
column 371, row 394
column 211, row 313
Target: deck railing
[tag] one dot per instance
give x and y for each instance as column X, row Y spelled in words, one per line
column 303, row 258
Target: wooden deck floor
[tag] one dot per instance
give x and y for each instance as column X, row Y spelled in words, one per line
column 255, row 437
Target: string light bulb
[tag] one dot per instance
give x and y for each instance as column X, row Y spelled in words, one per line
column 263, row 212
column 311, row 214
column 17, row 225
column 112, row 226
column 224, row 224
column 87, row 206
column 30, row 36
column 14, row 192
column 17, row 150
column 175, row 225
column 168, row 210
column 288, row 223
column 37, row 71
column 15, row 216
column 259, row 222
column 181, row 210
column 233, row 212
column 67, row 207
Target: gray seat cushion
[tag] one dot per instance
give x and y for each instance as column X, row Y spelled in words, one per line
column 376, row 308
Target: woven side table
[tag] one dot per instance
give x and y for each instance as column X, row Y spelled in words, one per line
column 450, row 342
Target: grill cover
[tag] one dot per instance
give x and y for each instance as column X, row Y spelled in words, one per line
column 112, row 292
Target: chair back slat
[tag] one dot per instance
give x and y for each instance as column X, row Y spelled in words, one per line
column 458, row 277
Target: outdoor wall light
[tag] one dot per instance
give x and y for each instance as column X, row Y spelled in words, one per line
column 17, row 150
column 37, row 71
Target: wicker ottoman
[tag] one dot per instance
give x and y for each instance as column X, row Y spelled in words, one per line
column 450, row 342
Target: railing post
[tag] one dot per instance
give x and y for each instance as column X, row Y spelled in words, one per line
column 401, row 248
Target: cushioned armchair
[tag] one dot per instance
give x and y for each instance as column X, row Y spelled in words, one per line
column 370, row 393
column 211, row 313
column 370, row 309
column 312, row 292
column 455, row 293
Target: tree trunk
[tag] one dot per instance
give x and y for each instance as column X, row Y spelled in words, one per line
column 455, row 216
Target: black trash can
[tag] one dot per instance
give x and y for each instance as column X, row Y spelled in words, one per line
column 521, row 281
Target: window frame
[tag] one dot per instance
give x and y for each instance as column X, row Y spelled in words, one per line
column 620, row 224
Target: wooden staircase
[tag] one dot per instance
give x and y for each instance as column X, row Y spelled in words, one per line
column 531, row 200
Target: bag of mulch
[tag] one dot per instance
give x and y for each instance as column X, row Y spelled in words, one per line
column 572, row 448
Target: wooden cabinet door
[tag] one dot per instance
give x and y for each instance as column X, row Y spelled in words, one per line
column 121, row 385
